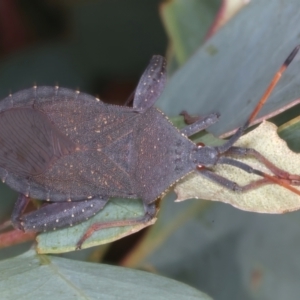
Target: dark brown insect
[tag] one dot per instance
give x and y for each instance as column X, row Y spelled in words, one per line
column 75, row 152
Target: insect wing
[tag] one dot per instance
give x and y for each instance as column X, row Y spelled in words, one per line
column 28, row 142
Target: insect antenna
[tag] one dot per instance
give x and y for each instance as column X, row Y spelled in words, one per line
column 280, row 177
column 261, row 102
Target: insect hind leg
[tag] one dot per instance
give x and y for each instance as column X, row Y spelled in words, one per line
column 151, row 84
column 150, row 213
column 56, row 215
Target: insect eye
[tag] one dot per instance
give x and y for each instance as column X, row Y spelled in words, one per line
column 200, row 145
column 200, row 167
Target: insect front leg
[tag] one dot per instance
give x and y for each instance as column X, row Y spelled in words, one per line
column 266, row 178
column 242, row 152
column 57, row 215
column 231, row 185
column 200, row 124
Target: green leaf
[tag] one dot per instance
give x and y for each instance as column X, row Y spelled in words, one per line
column 290, row 132
column 65, row 240
column 187, row 23
column 32, row 276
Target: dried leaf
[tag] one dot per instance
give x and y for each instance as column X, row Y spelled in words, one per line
column 270, row 198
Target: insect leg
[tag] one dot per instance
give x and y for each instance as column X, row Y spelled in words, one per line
column 150, row 212
column 231, row 185
column 130, row 98
column 188, row 119
column 61, row 214
column 223, row 148
column 200, row 124
column 240, row 165
column 267, row 178
column 18, row 210
column 151, row 84
column 239, row 151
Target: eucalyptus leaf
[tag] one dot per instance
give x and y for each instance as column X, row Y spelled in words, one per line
column 267, row 254
column 230, row 72
column 31, row 276
column 65, row 240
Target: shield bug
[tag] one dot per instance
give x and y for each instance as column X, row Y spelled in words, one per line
column 75, row 152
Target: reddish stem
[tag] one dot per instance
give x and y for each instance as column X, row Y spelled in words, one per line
column 15, row 237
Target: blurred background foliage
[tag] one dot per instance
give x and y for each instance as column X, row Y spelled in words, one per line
column 101, row 47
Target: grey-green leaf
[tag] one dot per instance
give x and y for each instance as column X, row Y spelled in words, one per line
column 32, row 276
column 231, row 78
